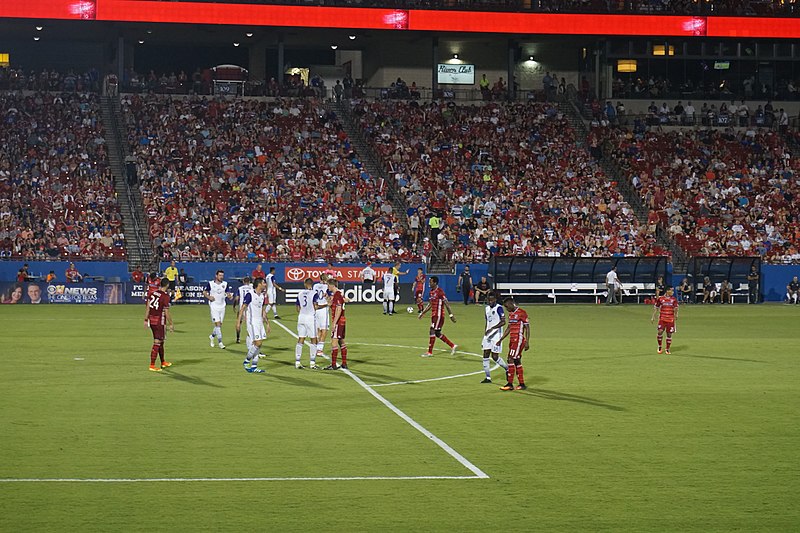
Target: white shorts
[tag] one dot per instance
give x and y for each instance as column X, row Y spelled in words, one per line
column 490, row 342
column 217, row 313
column 256, row 331
column 306, row 327
column 271, row 296
column 388, row 295
column 322, row 318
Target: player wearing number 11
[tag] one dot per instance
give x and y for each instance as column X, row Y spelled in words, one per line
column 667, row 306
column 155, row 317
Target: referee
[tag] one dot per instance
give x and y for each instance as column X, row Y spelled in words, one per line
column 171, row 273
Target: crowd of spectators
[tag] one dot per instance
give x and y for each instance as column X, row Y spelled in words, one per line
column 49, row 80
column 57, row 196
column 716, row 192
column 504, row 178
column 665, row 7
column 235, row 179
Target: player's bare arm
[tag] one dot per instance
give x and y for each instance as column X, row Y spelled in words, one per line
column 169, row 320
column 146, row 314
column 526, row 332
column 499, row 342
column 208, row 296
column 242, row 309
column 449, row 311
column 265, row 318
column 653, row 317
column 499, row 325
column 424, row 310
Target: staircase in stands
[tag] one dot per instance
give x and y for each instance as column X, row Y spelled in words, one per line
column 581, row 126
column 369, row 158
column 137, row 238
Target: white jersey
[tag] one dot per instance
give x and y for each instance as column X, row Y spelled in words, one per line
column 388, row 281
column 494, row 314
column 270, row 279
column 217, row 290
column 244, row 289
column 305, row 300
column 322, row 316
column 255, row 307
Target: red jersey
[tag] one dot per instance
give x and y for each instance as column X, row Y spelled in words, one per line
column 516, row 320
column 666, row 306
column 157, row 304
column 419, row 283
column 337, row 302
column 256, row 274
column 437, row 299
column 153, row 285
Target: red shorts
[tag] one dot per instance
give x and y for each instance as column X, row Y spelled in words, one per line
column 437, row 322
column 669, row 327
column 158, row 331
column 516, row 348
column 418, row 295
column 338, row 331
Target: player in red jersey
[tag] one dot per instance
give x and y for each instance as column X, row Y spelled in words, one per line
column 437, row 302
column 419, row 289
column 337, row 325
column 519, row 329
column 155, row 317
column 153, row 284
column 667, row 307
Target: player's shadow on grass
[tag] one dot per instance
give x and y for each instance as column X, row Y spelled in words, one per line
column 563, row 396
column 192, row 380
column 717, row 357
column 299, row 382
column 184, row 362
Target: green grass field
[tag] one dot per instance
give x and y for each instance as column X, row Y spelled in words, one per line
column 609, row 437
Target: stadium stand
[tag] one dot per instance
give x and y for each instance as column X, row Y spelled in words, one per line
column 57, row 197
column 506, row 178
column 245, row 179
column 715, row 191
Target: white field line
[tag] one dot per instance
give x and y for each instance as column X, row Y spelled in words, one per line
column 413, row 423
column 495, row 367
column 218, row 479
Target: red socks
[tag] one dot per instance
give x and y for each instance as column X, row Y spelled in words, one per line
column 520, row 377
column 512, row 369
column 431, row 342
column 661, row 339
column 669, row 342
column 334, row 356
column 154, row 354
column 446, row 341
column 344, row 355
column 161, row 351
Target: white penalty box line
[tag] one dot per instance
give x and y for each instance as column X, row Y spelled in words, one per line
column 478, row 473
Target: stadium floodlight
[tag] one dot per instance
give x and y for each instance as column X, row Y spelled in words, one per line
column 39, row 28
column 334, row 46
column 248, row 35
column 352, row 37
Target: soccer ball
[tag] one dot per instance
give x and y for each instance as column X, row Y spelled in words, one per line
column 410, row 309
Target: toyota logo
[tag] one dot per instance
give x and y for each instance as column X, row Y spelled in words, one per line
column 295, row 274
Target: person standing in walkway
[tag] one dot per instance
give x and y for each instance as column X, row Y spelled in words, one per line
column 612, row 286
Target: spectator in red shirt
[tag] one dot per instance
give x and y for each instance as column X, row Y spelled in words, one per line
column 137, row 276
column 72, row 274
column 258, row 273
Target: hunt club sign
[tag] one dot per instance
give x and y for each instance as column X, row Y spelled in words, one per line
column 447, row 74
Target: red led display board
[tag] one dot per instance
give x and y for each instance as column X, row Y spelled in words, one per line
column 398, row 19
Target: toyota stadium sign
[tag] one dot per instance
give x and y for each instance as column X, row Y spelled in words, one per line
column 345, row 274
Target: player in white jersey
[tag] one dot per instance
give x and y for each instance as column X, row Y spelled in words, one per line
column 272, row 292
column 216, row 292
column 389, row 284
column 322, row 316
column 495, row 320
column 254, row 312
column 306, row 325
column 245, row 287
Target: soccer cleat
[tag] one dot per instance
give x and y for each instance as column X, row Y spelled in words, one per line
column 211, row 339
column 453, row 349
column 427, row 354
column 165, row 364
column 667, row 352
column 659, row 350
column 248, row 369
column 299, row 366
column 221, row 346
column 238, row 342
column 521, row 386
column 154, row 369
column 342, row 367
column 486, row 380
column 313, row 366
column 276, row 317
column 507, row 386
column 257, row 371
column 331, row 367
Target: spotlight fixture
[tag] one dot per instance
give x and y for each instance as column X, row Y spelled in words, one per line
column 530, row 58
column 248, row 35
column 141, row 41
column 149, row 32
column 334, row 46
column 39, row 28
column 36, row 38
column 352, row 37
column 455, row 56
column 235, row 44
